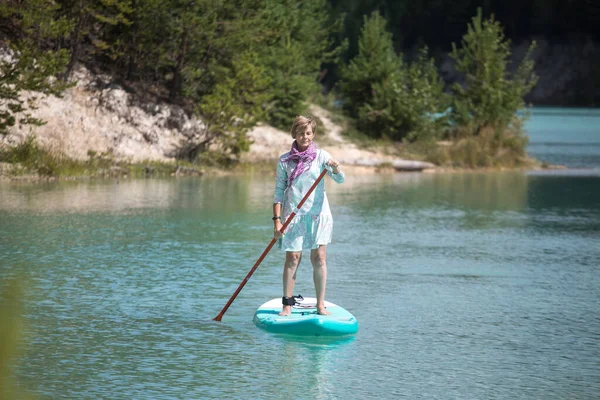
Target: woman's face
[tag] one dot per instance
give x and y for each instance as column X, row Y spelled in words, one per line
column 305, row 138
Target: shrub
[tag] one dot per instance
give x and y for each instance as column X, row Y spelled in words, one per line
column 491, row 148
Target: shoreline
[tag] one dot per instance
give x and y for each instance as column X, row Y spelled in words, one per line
column 263, row 167
column 93, row 132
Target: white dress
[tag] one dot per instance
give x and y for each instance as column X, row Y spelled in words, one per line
column 313, row 224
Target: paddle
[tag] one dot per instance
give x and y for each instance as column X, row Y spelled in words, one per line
column 263, row 255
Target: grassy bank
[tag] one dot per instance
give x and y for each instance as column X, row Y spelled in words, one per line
column 29, row 160
column 489, row 149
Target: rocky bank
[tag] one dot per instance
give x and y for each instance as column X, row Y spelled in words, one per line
column 97, row 117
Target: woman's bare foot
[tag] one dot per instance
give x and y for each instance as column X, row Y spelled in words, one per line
column 322, row 311
column 286, row 312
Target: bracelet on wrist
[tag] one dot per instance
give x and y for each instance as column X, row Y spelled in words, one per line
column 277, row 217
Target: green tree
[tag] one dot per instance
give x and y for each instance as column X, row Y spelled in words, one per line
column 224, row 74
column 100, row 29
column 375, row 64
column 390, row 98
column 31, row 60
column 210, row 45
column 218, row 33
column 298, row 41
column 235, row 105
column 409, row 105
column 490, row 96
column 143, row 41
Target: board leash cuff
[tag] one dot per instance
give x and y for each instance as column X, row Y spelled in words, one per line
column 291, row 301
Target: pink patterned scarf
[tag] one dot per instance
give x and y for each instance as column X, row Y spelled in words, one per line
column 302, row 158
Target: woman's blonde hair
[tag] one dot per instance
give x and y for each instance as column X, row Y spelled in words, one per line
column 300, row 124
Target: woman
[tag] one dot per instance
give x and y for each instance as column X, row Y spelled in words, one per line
column 312, row 226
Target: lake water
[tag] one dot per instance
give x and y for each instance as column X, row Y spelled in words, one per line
column 565, row 136
column 474, row 285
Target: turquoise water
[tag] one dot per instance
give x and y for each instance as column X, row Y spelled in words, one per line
column 475, row 285
column 565, row 136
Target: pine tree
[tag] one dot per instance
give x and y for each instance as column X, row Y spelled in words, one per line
column 236, row 104
column 409, row 104
column 490, row 97
column 100, row 30
column 387, row 97
column 375, row 64
column 298, row 42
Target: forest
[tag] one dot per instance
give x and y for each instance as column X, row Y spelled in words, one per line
column 238, row 62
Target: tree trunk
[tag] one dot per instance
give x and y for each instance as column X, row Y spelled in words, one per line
column 176, row 83
column 76, row 41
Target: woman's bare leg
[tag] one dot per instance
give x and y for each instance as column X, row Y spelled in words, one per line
column 292, row 260
column 318, row 258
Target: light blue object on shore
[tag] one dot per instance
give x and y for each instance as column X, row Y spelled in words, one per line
column 304, row 320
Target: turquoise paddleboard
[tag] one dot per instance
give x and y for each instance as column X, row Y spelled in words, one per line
column 304, row 320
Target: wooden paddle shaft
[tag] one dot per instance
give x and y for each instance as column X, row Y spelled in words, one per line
column 269, row 247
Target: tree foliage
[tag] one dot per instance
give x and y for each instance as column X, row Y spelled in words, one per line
column 375, row 64
column 241, row 61
column 236, row 104
column 390, row 98
column 490, row 96
column 99, row 29
column 411, row 106
column 31, row 58
column 297, row 42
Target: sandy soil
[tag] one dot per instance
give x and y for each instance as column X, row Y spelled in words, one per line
column 270, row 143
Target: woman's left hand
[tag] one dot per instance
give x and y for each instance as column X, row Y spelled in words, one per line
column 335, row 165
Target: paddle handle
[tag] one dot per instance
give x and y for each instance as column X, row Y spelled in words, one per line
column 269, row 247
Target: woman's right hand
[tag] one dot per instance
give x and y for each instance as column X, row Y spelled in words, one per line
column 277, row 231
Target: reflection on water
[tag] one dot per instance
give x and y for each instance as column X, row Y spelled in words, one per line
column 122, row 195
column 77, row 197
column 465, row 285
column 502, row 190
column 235, row 194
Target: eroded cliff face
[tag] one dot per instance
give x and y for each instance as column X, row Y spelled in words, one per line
column 568, row 71
column 96, row 116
